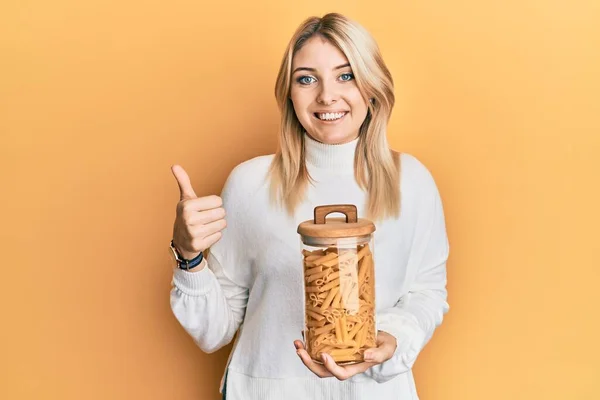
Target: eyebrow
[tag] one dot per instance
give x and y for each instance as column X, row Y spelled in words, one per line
column 314, row 70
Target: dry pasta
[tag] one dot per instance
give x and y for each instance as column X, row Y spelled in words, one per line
column 340, row 305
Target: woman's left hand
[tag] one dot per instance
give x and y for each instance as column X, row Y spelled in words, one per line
column 386, row 346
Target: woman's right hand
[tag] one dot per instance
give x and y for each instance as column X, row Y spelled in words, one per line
column 199, row 220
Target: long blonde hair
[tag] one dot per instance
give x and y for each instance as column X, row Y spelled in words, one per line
column 376, row 167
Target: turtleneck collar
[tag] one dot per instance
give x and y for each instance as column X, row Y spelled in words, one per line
column 338, row 157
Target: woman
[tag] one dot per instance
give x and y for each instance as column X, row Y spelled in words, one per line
column 335, row 95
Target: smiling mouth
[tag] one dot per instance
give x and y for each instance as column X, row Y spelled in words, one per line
column 330, row 116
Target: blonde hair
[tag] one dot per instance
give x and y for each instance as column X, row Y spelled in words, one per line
column 376, row 167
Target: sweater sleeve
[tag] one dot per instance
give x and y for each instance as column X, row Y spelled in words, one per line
column 211, row 304
column 417, row 314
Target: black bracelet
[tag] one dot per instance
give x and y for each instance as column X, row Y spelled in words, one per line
column 184, row 264
column 189, row 264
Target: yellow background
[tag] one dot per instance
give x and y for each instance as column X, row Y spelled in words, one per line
column 99, row 98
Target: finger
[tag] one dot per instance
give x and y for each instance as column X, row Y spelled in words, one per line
column 206, row 216
column 315, row 368
column 386, row 346
column 345, row 372
column 378, row 355
column 202, row 231
column 206, row 242
column 203, row 203
column 334, row 369
column 183, row 181
column 358, row 368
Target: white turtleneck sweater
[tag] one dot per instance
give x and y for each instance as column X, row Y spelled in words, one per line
column 253, row 281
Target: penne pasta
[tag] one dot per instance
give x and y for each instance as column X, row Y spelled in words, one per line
column 342, row 352
column 338, row 330
column 333, row 276
column 313, row 271
column 367, row 298
column 329, row 298
column 324, row 329
column 326, row 349
column 314, row 323
column 355, row 330
column 315, row 276
column 314, row 315
column 312, row 289
column 346, row 344
column 343, row 328
column 330, row 285
column 316, row 310
column 326, row 258
column 346, row 256
column 339, row 309
column 347, row 359
column 362, row 252
column 364, row 266
column 336, row 300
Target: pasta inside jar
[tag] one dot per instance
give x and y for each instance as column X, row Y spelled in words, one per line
column 339, row 287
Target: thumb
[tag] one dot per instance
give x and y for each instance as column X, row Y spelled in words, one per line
column 183, row 181
column 378, row 355
column 386, row 347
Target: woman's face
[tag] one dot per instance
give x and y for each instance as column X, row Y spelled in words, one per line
column 326, row 99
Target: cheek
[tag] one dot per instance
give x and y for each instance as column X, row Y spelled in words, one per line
column 359, row 106
column 298, row 100
column 300, row 103
column 355, row 100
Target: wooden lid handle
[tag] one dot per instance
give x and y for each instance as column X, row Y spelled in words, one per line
column 349, row 210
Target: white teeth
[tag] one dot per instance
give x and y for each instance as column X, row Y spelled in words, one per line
column 330, row 116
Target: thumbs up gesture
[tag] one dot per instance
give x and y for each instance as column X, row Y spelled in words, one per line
column 199, row 220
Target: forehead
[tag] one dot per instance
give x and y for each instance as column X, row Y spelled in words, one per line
column 318, row 52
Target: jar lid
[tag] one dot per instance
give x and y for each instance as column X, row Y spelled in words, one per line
column 351, row 226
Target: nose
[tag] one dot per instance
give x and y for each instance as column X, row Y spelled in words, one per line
column 327, row 94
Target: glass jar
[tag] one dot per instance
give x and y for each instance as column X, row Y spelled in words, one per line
column 339, row 284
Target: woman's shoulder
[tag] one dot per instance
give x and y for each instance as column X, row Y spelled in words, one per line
column 254, row 168
column 254, row 164
column 248, row 176
column 414, row 173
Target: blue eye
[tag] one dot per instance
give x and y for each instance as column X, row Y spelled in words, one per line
column 347, row 77
column 306, row 80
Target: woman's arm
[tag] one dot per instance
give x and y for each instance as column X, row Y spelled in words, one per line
column 416, row 315
column 210, row 304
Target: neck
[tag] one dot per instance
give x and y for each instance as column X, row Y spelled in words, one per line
column 338, row 157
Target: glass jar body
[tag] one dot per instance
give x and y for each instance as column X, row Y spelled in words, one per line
column 339, row 300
